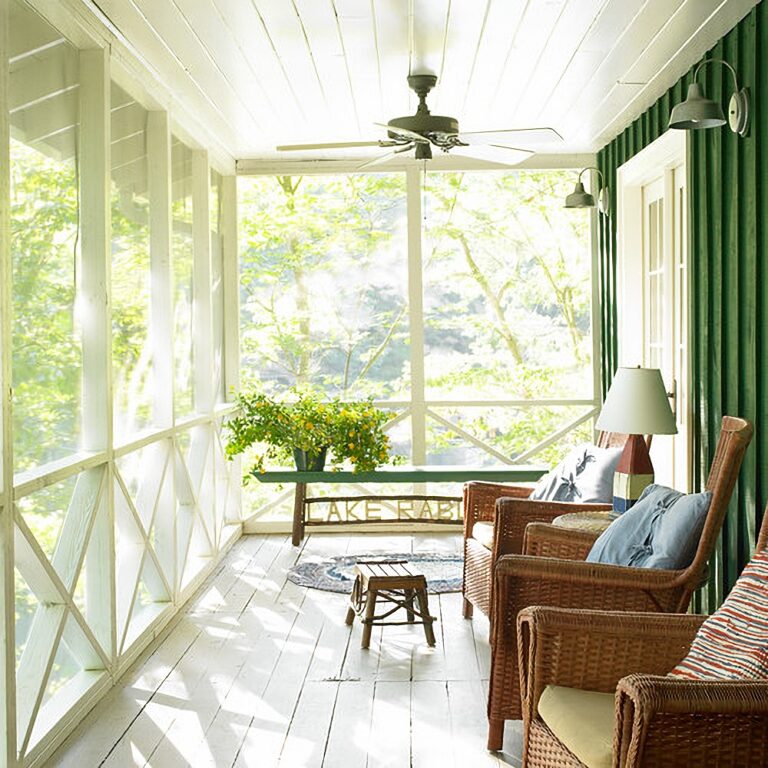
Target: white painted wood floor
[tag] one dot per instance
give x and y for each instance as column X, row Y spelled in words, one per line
column 260, row 672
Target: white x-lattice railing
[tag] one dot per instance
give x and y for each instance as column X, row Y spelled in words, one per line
column 136, row 536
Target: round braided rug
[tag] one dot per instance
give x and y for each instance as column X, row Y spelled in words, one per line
column 336, row 574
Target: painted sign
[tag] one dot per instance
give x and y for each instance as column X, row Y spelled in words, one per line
column 361, row 509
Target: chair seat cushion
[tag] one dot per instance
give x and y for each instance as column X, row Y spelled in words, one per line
column 732, row 644
column 585, row 475
column 662, row 530
column 582, row 720
column 482, row 532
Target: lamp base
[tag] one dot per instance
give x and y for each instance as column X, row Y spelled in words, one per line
column 634, row 473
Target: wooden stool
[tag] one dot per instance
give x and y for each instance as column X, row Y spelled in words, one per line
column 389, row 581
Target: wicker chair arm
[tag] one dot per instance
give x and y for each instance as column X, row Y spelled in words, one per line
column 480, row 500
column 593, row 650
column 652, row 694
column 514, row 515
column 545, row 540
column 576, row 571
column 669, row 721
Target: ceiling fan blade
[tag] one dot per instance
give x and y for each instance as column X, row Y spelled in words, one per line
column 404, row 133
column 493, row 153
column 383, row 158
column 333, row 145
column 515, row 136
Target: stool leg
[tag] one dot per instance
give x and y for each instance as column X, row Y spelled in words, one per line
column 370, row 610
column 409, row 595
column 467, row 609
column 355, row 599
column 424, row 608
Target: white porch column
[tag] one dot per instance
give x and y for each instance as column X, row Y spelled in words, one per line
column 7, row 590
column 416, row 317
column 202, row 316
column 94, row 311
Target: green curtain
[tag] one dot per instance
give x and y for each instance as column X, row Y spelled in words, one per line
column 728, row 239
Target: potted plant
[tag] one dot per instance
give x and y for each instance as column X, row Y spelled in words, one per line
column 306, row 428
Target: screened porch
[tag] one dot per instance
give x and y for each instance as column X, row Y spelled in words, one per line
column 197, row 200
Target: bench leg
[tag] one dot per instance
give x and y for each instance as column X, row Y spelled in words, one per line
column 370, row 610
column 468, row 609
column 424, row 608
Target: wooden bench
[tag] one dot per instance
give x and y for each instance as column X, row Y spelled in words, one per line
column 390, row 582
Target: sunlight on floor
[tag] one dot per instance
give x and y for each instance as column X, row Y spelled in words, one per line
column 261, row 672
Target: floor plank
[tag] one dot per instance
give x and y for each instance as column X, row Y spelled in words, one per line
column 261, row 672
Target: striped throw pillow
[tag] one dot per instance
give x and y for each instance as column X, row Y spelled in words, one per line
column 732, row 644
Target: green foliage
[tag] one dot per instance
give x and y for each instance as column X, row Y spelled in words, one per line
column 131, row 352
column 323, row 283
column 352, row 431
column 47, row 355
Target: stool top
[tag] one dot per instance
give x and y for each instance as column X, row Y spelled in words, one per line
column 389, row 571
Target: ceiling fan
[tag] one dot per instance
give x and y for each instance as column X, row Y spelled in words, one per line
column 423, row 131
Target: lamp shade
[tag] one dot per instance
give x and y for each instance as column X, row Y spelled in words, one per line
column 637, row 404
column 697, row 111
column 579, row 198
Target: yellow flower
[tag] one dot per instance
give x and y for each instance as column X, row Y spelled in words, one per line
column 308, row 425
column 351, row 446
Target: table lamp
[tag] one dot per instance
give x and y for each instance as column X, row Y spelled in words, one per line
column 636, row 405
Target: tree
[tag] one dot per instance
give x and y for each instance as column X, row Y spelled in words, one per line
column 323, row 282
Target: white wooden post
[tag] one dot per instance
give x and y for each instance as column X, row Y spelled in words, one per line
column 200, row 453
column 94, row 272
column 230, row 271
column 161, row 302
column 230, row 278
column 161, row 324
column 96, row 321
column 7, row 588
column 202, row 318
column 416, row 317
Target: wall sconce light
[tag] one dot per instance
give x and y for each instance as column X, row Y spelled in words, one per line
column 697, row 111
column 580, row 198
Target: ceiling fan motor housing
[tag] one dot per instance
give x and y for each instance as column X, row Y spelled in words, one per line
column 425, row 124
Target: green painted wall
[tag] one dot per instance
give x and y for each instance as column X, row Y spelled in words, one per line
column 728, row 231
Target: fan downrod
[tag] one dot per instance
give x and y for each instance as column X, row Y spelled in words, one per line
column 421, row 85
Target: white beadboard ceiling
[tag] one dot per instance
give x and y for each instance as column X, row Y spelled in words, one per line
column 257, row 73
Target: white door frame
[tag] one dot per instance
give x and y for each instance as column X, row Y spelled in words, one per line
column 653, row 162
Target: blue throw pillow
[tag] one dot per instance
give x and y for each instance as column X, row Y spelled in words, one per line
column 661, row 530
column 584, row 476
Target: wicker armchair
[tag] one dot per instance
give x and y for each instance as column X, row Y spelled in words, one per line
column 508, row 508
column 658, row 720
column 539, row 577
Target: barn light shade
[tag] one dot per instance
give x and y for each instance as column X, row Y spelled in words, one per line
column 636, row 405
column 580, row 198
column 697, row 111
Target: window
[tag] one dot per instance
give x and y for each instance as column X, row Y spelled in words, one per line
column 506, row 281
column 47, row 348
column 324, row 284
column 506, row 312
